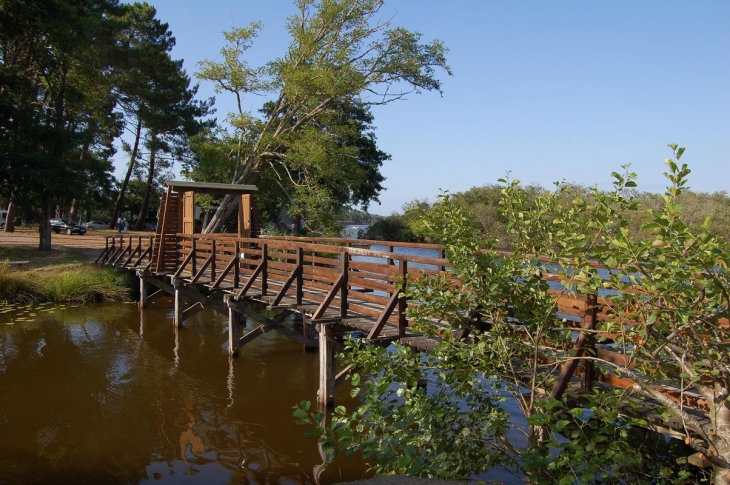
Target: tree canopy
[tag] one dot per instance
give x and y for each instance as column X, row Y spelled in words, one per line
column 313, row 138
column 74, row 76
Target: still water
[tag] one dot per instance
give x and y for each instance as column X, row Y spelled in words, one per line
column 106, row 394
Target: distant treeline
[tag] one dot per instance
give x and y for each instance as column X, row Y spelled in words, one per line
column 354, row 216
column 483, row 204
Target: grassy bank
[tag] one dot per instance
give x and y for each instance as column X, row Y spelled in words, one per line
column 59, row 276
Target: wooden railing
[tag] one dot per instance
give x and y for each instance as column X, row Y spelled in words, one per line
column 336, row 280
column 339, row 278
column 127, row 251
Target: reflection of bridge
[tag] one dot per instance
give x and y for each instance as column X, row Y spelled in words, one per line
column 337, row 285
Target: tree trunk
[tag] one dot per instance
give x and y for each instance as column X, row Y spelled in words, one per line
column 130, row 168
column 10, row 217
column 229, row 202
column 72, row 211
column 719, row 454
column 224, row 211
column 44, row 224
column 150, row 178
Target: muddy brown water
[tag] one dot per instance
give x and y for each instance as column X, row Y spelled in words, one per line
column 108, row 394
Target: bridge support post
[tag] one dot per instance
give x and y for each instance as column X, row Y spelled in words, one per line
column 179, row 301
column 327, row 367
column 143, row 291
column 234, row 325
column 308, row 333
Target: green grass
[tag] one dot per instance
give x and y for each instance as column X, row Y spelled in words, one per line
column 65, row 276
column 44, row 259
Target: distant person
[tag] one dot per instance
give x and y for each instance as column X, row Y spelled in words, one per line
column 120, row 225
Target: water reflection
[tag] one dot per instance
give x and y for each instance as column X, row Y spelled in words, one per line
column 111, row 395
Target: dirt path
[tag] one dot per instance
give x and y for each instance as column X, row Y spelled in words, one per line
column 89, row 244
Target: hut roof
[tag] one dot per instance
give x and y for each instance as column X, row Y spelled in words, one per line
column 211, row 188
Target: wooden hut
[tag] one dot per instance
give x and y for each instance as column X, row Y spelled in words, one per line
column 178, row 216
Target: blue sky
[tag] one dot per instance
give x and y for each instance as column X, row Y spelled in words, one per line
column 545, row 90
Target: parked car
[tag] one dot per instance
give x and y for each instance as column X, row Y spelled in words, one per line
column 97, row 225
column 67, row 226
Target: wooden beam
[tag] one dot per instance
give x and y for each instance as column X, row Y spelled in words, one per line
column 103, row 253
column 141, row 257
column 123, row 250
column 253, row 334
column 143, row 286
column 184, row 263
column 294, row 275
column 300, row 275
column 340, row 377
column 225, row 272
column 203, row 268
column 193, row 309
column 327, row 367
column 136, row 250
column 244, row 215
column 275, row 323
column 568, row 369
column 383, row 318
column 345, row 269
column 156, row 295
column 402, row 302
column 259, row 269
column 329, row 298
column 234, row 324
column 179, row 302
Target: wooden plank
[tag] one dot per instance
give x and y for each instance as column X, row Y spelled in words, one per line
column 370, row 284
column 193, row 309
column 329, row 298
column 253, row 334
column 376, row 268
column 383, row 317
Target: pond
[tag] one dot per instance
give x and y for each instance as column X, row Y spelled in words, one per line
column 108, row 394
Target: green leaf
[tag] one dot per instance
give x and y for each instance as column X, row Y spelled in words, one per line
column 561, row 424
column 301, row 414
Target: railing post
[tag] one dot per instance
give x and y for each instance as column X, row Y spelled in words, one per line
column 264, row 269
column 237, row 267
column 212, row 261
column 402, row 302
column 152, row 246
column 194, row 267
column 589, row 323
column 300, row 275
column 343, row 288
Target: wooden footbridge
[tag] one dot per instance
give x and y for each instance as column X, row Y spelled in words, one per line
column 337, row 285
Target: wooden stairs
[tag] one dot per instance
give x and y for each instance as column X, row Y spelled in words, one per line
column 164, row 255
